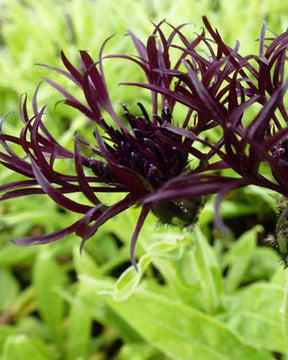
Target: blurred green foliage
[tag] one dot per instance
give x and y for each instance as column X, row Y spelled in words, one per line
column 196, row 295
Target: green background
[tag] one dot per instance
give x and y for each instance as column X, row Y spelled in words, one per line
column 196, row 295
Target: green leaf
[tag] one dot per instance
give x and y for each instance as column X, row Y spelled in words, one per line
column 84, row 263
column 264, row 263
column 256, row 314
column 12, row 255
column 130, row 278
column 5, row 332
column 96, row 308
column 178, row 331
column 138, row 351
column 197, row 275
column 21, row 347
column 239, row 258
column 78, row 335
column 284, row 313
column 9, row 288
column 207, row 270
column 127, row 283
column 33, row 327
column 48, row 279
column 279, row 277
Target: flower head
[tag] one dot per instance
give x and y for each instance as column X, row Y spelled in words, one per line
column 145, row 156
column 248, row 106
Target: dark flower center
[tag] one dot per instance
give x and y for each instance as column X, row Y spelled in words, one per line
column 155, row 155
column 148, row 150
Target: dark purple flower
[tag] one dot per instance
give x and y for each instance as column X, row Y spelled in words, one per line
column 244, row 97
column 146, row 156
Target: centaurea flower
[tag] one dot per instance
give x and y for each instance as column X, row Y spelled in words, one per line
column 146, row 158
column 250, row 142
